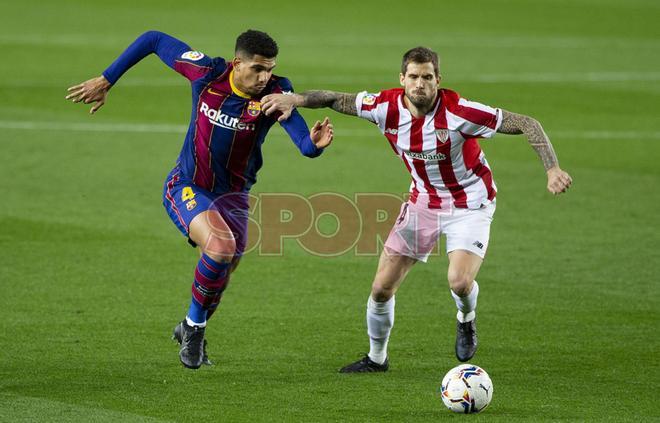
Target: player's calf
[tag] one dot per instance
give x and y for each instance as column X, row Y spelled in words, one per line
column 211, row 278
column 210, row 281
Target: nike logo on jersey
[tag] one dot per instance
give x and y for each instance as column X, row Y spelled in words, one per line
column 217, row 118
column 210, row 91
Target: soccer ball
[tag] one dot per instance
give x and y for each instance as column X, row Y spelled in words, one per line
column 467, row 389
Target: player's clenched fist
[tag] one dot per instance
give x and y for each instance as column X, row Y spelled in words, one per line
column 558, row 180
column 93, row 90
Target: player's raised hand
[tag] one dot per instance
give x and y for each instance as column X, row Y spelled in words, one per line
column 283, row 103
column 322, row 133
column 93, row 90
column 558, row 180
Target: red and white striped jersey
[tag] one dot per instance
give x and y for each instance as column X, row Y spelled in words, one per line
column 440, row 150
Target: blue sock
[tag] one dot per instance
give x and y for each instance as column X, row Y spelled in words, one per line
column 210, row 280
column 196, row 312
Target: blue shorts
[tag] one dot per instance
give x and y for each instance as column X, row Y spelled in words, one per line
column 184, row 200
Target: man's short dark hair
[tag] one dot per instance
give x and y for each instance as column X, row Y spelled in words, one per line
column 253, row 42
column 420, row 55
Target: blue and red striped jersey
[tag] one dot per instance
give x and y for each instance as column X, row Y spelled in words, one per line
column 222, row 148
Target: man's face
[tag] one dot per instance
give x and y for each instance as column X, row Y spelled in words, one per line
column 420, row 83
column 251, row 74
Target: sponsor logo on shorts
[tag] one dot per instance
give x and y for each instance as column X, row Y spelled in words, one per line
column 478, row 244
column 217, row 118
column 425, row 156
column 369, row 100
column 192, row 55
column 254, row 108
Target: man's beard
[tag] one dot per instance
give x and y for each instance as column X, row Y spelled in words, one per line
column 420, row 101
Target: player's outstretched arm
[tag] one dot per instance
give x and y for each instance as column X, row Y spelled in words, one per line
column 514, row 123
column 285, row 103
column 166, row 47
column 93, row 90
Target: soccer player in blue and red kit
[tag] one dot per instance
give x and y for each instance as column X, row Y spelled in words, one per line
column 206, row 194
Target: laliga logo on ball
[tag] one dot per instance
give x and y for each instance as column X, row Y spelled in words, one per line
column 467, row 389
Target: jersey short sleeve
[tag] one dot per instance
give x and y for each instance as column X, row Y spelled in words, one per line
column 473, row 119
column 367, row 106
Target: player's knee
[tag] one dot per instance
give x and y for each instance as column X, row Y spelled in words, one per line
column 459, row 282
column 221, row 249
column 381, row 292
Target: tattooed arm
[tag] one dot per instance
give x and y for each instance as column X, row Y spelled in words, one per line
column 284, row 103
column 339, row 102
column 513, row 123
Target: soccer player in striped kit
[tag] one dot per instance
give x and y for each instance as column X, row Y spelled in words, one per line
column 206, row 194
column 434, row 131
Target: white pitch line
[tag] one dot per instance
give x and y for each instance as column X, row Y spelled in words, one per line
column 94, row 127
column 458, row 40
column 325, row 80
column 357, row 133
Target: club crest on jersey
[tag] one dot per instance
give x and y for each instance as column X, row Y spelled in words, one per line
column 192, row 55
column 442, row 135
column 254, row 107
column 369, row 100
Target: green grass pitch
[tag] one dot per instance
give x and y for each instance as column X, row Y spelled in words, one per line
column 93, row 276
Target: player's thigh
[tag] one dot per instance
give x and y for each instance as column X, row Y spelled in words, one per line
column 211, row 233
column 463, row 269
column 469, row 230
column 415, row 232
column 392, row 270
column 184, row 203
column 468, row 235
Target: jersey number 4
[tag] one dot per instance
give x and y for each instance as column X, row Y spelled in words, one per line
column 187, row 194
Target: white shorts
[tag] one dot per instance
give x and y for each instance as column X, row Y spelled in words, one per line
column 417, row 230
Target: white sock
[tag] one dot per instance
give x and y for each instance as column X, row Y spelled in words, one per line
column 191, row 323
column 380, row 319
column 467, row 305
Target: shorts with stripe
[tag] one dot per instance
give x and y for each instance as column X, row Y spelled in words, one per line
column 184, row 200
